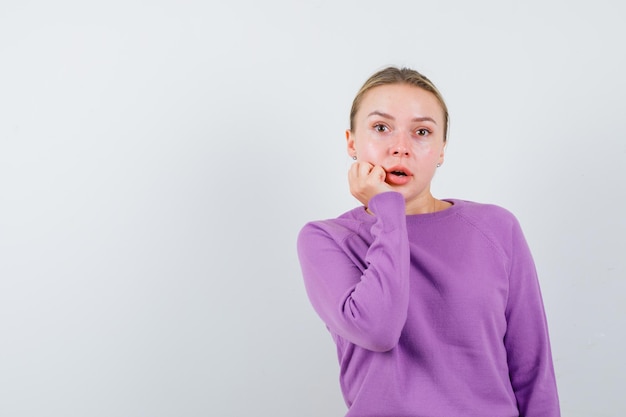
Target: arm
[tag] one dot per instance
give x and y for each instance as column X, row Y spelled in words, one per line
column 361, row 292
column 526, row 340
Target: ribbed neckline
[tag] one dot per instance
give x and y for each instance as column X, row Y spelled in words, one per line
column 361, row 214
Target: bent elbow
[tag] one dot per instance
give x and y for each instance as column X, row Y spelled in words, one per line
column 382, row 340
column 378, row 331
column 386, row 346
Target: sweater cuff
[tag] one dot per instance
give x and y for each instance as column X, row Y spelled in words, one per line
column 389, row 208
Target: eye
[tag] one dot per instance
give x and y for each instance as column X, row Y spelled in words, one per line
column 381, row 128
column 422, row 132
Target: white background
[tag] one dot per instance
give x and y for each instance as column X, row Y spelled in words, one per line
column 157, row 160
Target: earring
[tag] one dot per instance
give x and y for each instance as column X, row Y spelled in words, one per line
column 354, row 157
column 438, row 165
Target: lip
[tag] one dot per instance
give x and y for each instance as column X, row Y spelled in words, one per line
column 393, row 179
column 399, row 168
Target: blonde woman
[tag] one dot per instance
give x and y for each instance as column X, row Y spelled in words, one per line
column 434, row 305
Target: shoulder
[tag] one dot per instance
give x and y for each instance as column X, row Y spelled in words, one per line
column 337, row 229
column 389, row 208
column 485, row 215
column 494, row 222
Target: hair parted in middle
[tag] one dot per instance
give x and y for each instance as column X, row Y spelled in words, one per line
column 395, row 75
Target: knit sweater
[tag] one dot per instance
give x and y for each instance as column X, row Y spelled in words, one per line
column 433, row 315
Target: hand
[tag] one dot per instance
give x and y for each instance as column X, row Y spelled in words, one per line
column 366, row 181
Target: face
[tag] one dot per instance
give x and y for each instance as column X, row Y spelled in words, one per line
column 400, row 128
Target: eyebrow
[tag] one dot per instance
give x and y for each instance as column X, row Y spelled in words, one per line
column 388, row 116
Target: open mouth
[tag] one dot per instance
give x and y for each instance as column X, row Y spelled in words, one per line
column 398, row 176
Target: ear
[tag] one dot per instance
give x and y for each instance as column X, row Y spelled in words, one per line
column 350, row 143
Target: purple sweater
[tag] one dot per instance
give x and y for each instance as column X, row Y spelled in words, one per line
column 433, row 315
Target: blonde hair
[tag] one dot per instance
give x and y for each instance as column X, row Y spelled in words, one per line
column 394, row 75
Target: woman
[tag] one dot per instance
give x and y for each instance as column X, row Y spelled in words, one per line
column 434, row 305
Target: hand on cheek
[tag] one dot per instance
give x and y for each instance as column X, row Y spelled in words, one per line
column 366, row 181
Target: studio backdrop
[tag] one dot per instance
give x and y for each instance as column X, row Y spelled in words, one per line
column 158, row 159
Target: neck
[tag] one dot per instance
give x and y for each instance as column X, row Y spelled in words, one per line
column 426, row 204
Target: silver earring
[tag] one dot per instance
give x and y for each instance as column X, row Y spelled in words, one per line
column 438, row 165
column 354, row 157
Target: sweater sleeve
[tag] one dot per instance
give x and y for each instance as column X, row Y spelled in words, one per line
column 366, row 302
column 527, row 342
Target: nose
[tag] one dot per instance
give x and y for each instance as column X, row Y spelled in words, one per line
column 400, row 147
column 400, row 151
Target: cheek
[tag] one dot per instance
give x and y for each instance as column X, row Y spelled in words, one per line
column 429, row 150
column 425, row 151
column 371, row 148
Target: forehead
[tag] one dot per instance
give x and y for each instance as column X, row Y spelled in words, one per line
column 401, row 100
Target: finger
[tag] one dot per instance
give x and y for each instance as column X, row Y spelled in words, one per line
column 359, row 170
column 364, row 169
column 379, row 173
column 353, row 172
